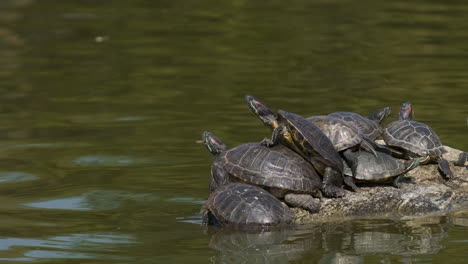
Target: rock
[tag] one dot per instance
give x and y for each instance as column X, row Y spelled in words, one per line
column 423, row 191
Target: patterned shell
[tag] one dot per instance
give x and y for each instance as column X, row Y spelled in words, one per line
column 312, row 139
column 417, row 138
column 340, row 133
column 375, row 168
column 366, row 127
column 238, row 204
column 277, row 167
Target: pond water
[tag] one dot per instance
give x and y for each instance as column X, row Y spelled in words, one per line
column 103, row 104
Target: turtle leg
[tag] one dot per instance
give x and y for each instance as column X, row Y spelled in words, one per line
column 204, row 214
column 396, row 153
column 382, row 148
column 208, row 218
column 462, row 158
column 390, row 151
column 317, row 194
column 396, row 182
column 351, row 160
column 425, row 160
column 275, row 138
column 267, row 142
column 305, row 201
column 368, row 145
column 211, row 220
column 330, row 187
column 349, row 181
column 444, row 169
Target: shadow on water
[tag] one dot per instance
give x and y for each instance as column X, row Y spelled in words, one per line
column 359, row 241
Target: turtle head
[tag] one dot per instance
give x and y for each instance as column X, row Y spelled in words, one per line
column 412, row 163
column 380, row 115
column 262, row 110
column 213, row 144
column 406, row 111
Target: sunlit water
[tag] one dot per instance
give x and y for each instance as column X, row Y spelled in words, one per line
column 103, row 103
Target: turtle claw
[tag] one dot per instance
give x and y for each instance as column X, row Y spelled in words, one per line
column 444, row 169
column 349, row 181
column 266, row 142
column 332, row 183
column 396, row 182
column 331, row 191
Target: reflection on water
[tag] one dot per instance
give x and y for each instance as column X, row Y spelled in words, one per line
column 104, row 160
column 194, row 219
column 111, row 199
column 102, row 102
column 41, row 145
column 130, row 118
column 96, row 200
column 16, row 176
column 278, row 246
column 340, row 258
column 73, row 203
column 77, row 246
column 348, row 242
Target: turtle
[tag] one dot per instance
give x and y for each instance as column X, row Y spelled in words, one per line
column 381, row 168
column 278, row 169
column 345, row 138
column 342, row 134
column 305, row 139
column 240, row 205
column 370, row 126
column 408, row 139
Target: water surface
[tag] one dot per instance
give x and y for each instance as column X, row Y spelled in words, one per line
column 103, row 104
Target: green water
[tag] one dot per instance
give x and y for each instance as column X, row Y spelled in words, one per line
column 102, row 104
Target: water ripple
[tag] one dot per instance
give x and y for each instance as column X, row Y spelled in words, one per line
column 108, row 161
column 67, row 246
column 95, row 200
column 16, row 176
column 72, row 203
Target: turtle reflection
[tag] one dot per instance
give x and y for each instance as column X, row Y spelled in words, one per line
column 278, row 246
column 338, row 242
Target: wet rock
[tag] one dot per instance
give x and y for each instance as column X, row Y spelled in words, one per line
column 422, row 191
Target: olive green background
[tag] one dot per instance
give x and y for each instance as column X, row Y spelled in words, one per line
column 102, row 106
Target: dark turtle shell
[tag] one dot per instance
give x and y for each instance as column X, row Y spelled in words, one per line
column 340, row 133
column 310, row 139
column 243, row 205
column 416, row 138
column 380, row 167
column 365, row 126
column 276, row 167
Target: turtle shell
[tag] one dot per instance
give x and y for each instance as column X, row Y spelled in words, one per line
column 238, row 204
column 378, row 167
column 340, row 133
column 276, row 167
column 365, row 126
column 416, row 138
column 311, row 139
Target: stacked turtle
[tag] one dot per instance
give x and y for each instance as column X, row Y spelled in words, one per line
column 254, row 184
